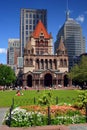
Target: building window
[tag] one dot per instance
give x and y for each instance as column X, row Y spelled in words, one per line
column 37, row 21
column 31, row 62
column 26, row 27
column 33, row 15
column 26, row 21
column 30, row 22
column 33, row 21
column 34, row 27
column 26, row 38
column 26, row 15
column 61, row 63
column 26, row 61
column 30, row 27
column 65, row 62
column 50, row 62
column 37, row 16
column 42, row 64
column 26, row 32
column 46, row 64
column 30, row 16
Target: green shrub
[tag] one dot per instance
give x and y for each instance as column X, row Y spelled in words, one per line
column 81, row 100
column 45, row 99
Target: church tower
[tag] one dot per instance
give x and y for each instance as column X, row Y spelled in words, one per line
column 41, row 67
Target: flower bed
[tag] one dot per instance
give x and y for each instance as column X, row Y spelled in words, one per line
column 38, row 116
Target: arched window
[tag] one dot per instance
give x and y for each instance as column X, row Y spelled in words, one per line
column 50, row 62
column 55, row 63
column 46, row 64
column 30, row 62
column 42, row 64
column 26, row 61
column 65, row 62
column 61, row 63
column 37, row 63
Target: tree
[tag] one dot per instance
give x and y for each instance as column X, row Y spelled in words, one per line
column 7, row 75
column 78, row 73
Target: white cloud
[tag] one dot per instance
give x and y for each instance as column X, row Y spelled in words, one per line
column 80, row 18
column 3, row 50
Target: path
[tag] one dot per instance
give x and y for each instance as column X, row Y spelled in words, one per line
column 2, row 114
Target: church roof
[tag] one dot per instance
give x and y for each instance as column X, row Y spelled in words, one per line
column 40, row 28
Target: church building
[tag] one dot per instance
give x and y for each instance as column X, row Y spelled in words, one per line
column 42, row 68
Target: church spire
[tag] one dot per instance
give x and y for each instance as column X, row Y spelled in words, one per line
column 67, row 12
column 61, row 48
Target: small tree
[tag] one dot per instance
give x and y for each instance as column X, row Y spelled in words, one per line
column 81, row 100
column 45, row 99
column 78, row 73
column 7, row 75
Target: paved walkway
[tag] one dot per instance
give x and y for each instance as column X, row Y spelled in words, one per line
column 2, row 114
column 57, row 127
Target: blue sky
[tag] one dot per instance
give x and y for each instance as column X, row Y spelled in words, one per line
column 10, row 18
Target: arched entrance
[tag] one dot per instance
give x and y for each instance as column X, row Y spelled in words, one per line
column 66, row 80
column 29, row 80
column 48, row 80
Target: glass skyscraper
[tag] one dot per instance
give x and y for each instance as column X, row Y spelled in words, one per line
column 13, row 53
column 28, row 20
column 73, row 39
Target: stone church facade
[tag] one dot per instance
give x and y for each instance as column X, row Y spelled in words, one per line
column 42, row 68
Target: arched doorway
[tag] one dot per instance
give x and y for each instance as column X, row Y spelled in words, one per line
column 48, row 80
column 29, row 80
column 66, row 80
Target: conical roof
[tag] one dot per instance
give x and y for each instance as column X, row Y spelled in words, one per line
column 61, row 44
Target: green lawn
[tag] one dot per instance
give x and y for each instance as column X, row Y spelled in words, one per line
column 64, row 96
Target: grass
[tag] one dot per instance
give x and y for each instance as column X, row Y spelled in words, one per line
column 31, row 96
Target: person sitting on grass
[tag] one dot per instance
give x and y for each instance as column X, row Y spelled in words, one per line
column 18, row 93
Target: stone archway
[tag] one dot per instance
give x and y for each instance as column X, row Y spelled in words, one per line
column 66, row 80
column 29, row 80
column 48, row 80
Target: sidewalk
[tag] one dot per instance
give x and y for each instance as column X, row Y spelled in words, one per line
column 54, row 127
column 57, row 127
column 2, row 114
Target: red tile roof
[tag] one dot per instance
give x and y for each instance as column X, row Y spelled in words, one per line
column 40, row 28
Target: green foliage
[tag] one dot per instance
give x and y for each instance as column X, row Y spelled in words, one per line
column 7, row 75
column 45, row 99
column 81, row 100
column 79, row 72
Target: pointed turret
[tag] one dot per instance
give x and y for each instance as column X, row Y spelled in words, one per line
column 61, row 48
